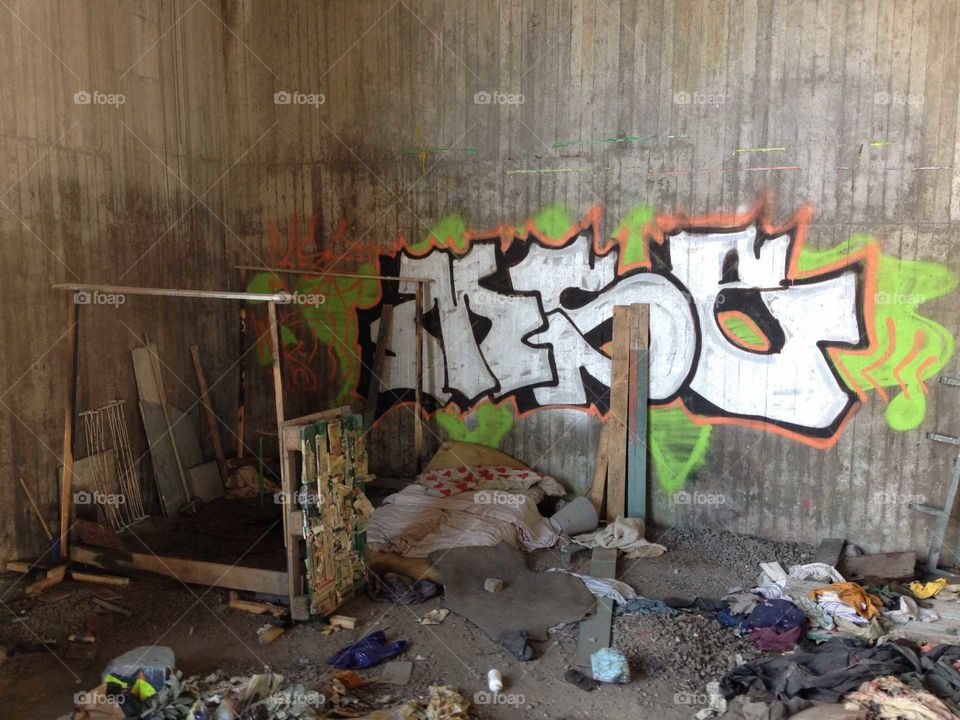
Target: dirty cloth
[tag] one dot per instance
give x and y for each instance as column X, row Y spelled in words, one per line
column 872, row 630
column 399, row 589
column 850, row 594
column 742, row 603
column 909, row 610
column 644, row 606
column 616, row 590
column 827, row 672
column 770, row 639
column 888, row 699
column 471, row 478
column 413, row 523
column 778, row 614
column 624, row 534
column 922, row 591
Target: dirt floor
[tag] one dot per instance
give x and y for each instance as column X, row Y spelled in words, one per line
column 671, row 658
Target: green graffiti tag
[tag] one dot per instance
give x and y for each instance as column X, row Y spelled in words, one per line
column 491, row 424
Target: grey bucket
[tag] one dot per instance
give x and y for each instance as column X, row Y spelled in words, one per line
column 578, row 516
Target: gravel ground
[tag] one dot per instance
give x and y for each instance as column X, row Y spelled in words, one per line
column 672, row 658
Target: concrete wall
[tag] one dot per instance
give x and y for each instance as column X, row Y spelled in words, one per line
column 111, row 192
column 794, row 404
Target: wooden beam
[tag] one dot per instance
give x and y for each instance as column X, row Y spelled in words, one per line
column 617, row 415
column 69, row 406
column 373, row 387
column 194, row 572
column 600, row 470
column 241, row 373
column 208, row 411
column 294, row 574
column 282, row 298
column 637, row 399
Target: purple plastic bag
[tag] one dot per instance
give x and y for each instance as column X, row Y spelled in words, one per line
column 371, row 650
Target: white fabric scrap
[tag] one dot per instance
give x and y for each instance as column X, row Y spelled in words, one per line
column 909, row 610
column 624, row 534
column 618, row 591
column 816, row 571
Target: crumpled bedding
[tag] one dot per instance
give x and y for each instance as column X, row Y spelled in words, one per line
column 415, row 523
column 469, row 478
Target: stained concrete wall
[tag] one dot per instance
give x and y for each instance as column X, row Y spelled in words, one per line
column 405, row 119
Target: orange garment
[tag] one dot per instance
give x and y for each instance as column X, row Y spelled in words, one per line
column 850, row 593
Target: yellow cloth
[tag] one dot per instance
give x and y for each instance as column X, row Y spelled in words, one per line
column 850, row 593
column 927, row 590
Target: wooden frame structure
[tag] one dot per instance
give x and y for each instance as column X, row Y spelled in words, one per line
column 236, row 577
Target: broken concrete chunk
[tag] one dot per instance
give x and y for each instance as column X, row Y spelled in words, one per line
column 493, row 585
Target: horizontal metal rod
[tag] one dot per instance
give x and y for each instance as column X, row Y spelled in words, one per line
column 281, row 298
column 949, row 439
column 318, row 273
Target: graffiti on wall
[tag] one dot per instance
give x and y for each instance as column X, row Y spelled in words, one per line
column 748, row 326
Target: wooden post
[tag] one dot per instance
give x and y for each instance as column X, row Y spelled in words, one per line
column 242, row 376
column 373, row 387
column 638, row 396
column 294, row 569
column 69, row 405
column 208, row 411
column 617, row 415
column 418, row 406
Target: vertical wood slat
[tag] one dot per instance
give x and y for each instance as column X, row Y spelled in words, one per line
column 69, row 406
column 617, row 416
column 637, row 397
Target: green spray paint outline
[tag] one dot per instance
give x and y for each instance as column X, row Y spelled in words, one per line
column 901, row 287
column 492, row 424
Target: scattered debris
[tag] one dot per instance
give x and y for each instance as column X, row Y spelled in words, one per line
column 111, row 607
column 53, row 577
column 258, row 608
column 434, row 617
column 268, row 633
column 609, row 665
column 343, row 621
column 492, row 585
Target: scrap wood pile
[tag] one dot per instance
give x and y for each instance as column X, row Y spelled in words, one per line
column 143, row 683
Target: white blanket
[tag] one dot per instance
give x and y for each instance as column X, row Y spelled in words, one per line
column 414, row 523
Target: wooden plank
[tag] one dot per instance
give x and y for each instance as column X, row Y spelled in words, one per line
column 169, row 488
column 158, row 377
column 637, row 398
column 294, row 574
column 241, row 372
column 418, row 383
column 882, row 565
column 600, row 470
column 195, row 572
column 595, row 632
column 208, row 412
column 69, row 405
column 373, row 387
column 98, row 579
column 617, row 415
